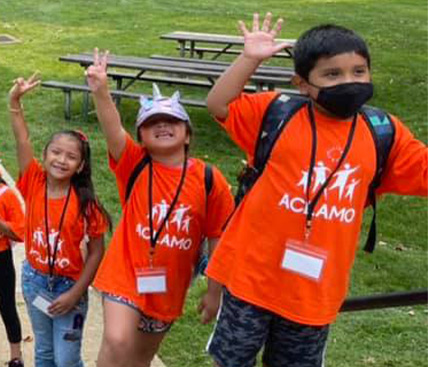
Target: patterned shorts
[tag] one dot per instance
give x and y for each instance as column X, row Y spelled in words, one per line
column 242, row 330
column 146, row 324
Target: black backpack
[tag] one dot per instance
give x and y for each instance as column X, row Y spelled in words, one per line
column 276, row 117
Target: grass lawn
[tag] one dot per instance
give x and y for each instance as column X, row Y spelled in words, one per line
column 396, row 31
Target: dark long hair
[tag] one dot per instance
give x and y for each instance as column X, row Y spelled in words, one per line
column 82, row 180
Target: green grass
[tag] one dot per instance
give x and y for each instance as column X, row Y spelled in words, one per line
column 396, row 32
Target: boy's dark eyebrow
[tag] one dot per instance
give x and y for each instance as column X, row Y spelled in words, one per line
column 330, row 69
column 327, row 69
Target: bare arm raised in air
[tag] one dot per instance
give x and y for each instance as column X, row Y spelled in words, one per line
column 107, row 113
column 259, row 45
column 24, row 149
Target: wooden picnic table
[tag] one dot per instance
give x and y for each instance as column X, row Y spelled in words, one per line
column 165, row 69
column 265, row 76
column 191, row 42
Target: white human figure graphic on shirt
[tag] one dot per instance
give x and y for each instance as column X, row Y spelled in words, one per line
column 154, row 211
column 163, row 211
column 139, row 229
column 342, row 178
column 186, row 224
column 304, row 181
column 52, row 237
column 38, row 237
column 320, row 176
column 351, row 188
column 179, row 215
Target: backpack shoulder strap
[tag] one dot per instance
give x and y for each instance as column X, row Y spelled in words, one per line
column 134, row 175
column 202, row 260
column 208, row 177
column 383, row 133
column 276, row 117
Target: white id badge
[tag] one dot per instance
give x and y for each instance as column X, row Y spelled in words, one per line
column 42, row 302
column 304, row 259
column 151, row 280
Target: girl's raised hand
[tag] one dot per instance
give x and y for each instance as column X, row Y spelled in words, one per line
column 96, row 74
column 22, row 86
column 259, row 44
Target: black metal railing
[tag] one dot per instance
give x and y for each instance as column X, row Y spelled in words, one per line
column 396, row 299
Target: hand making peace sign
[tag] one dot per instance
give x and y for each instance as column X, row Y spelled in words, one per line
column 96, row 74
column 22, row 86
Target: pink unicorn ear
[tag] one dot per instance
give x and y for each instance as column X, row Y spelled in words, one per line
column 176, row 96
column 156, row 92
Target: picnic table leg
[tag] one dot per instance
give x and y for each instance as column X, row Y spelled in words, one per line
column 259, row 87
column 67, row 104
column 118, row 87
column 85, row 104
column 221, row 52
column 182, row 48
column 192, row 49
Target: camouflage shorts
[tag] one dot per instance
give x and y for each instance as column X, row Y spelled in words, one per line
column 242, row 330
column 146, row 324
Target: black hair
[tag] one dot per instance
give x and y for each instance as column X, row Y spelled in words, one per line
column 82, row 180
column 325, row 40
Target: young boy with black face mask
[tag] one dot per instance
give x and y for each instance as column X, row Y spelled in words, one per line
column 286, row 254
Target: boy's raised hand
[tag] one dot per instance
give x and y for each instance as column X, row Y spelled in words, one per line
column 96, row 74
column 259, row 44
column 22, row 86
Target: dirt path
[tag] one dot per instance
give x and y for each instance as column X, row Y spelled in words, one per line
column 93, row 327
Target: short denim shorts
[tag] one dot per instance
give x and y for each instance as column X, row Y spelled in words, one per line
column 147, row 324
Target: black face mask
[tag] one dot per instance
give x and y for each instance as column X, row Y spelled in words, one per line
column 344, row 100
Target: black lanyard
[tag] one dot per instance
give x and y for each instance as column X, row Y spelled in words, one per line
column 154, row 237
column 52, row 257
column 312, row 203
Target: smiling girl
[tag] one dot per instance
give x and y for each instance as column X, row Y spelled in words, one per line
column 148, row 266
column 61, row 212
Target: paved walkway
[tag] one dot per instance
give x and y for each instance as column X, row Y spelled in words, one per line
column 93, row 326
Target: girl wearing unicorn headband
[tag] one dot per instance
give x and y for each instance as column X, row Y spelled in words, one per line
column 148, row 266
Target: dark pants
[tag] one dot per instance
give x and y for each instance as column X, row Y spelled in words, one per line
column 8, row 310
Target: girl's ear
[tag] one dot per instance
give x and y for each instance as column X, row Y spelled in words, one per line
column 300, row 83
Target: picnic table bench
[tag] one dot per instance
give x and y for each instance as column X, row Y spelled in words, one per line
column 191, row 42
column 68, row 88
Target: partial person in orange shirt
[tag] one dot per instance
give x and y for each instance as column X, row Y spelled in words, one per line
column 11, row 230
column 62, row 214
column 149, row 263
column 287, row 252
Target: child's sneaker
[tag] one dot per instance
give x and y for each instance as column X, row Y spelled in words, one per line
column 16, row 363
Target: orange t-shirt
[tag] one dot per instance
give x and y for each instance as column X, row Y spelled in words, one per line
column 248, row 259
column 11, row 214
column 193, row 218
column 69, row 261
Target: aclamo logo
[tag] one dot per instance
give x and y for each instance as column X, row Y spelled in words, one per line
column 342, row 186
column 179, row 221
